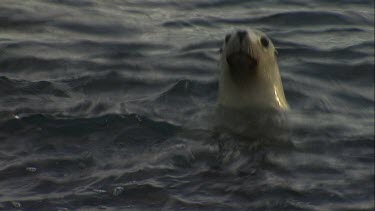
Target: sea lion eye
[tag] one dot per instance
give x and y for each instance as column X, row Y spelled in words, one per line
column 264, row 42
column 227, row 37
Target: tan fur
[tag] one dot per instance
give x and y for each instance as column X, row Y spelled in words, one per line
column 261, row 89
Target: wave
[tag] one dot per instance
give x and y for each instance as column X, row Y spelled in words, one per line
column 11, row 87
column 112, row 105
column 296, row 18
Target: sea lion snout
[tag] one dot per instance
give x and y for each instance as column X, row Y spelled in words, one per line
column 241, row 62
column 241, row 35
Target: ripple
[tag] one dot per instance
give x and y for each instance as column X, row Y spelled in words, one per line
column 112, row 105
column 23, row 21
column 345, row 54
column 300, row 18
column 10, row 87
column 79, row 3
column 188, row 23
column 96, row 29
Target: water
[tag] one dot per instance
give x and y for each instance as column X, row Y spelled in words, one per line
column 109, row 105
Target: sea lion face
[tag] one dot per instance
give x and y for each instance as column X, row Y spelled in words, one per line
column 250, row 74
column 245, row 53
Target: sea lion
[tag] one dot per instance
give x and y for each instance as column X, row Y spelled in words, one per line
column 250, row 75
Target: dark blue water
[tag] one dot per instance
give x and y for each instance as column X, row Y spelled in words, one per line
column 109, row 105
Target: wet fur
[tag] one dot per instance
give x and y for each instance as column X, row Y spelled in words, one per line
column 261, row 88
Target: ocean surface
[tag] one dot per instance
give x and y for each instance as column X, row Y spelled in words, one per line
column 111, row 105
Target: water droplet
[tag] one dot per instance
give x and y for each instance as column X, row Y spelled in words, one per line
column 31, row 169
column 99, row 191
column 16, row 204
column 253, row 171
column 62, row 209
column 117, row 191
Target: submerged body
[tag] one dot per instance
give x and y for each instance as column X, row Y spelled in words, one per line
column 249, row 73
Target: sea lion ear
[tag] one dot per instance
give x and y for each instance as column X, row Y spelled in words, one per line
column 227, row 37
column 276, row 53
column 220, row 50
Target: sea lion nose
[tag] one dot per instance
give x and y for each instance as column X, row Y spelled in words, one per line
column 241, row 34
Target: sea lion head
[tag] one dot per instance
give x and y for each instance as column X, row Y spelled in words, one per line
column 246, row 53
column 249, row 72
